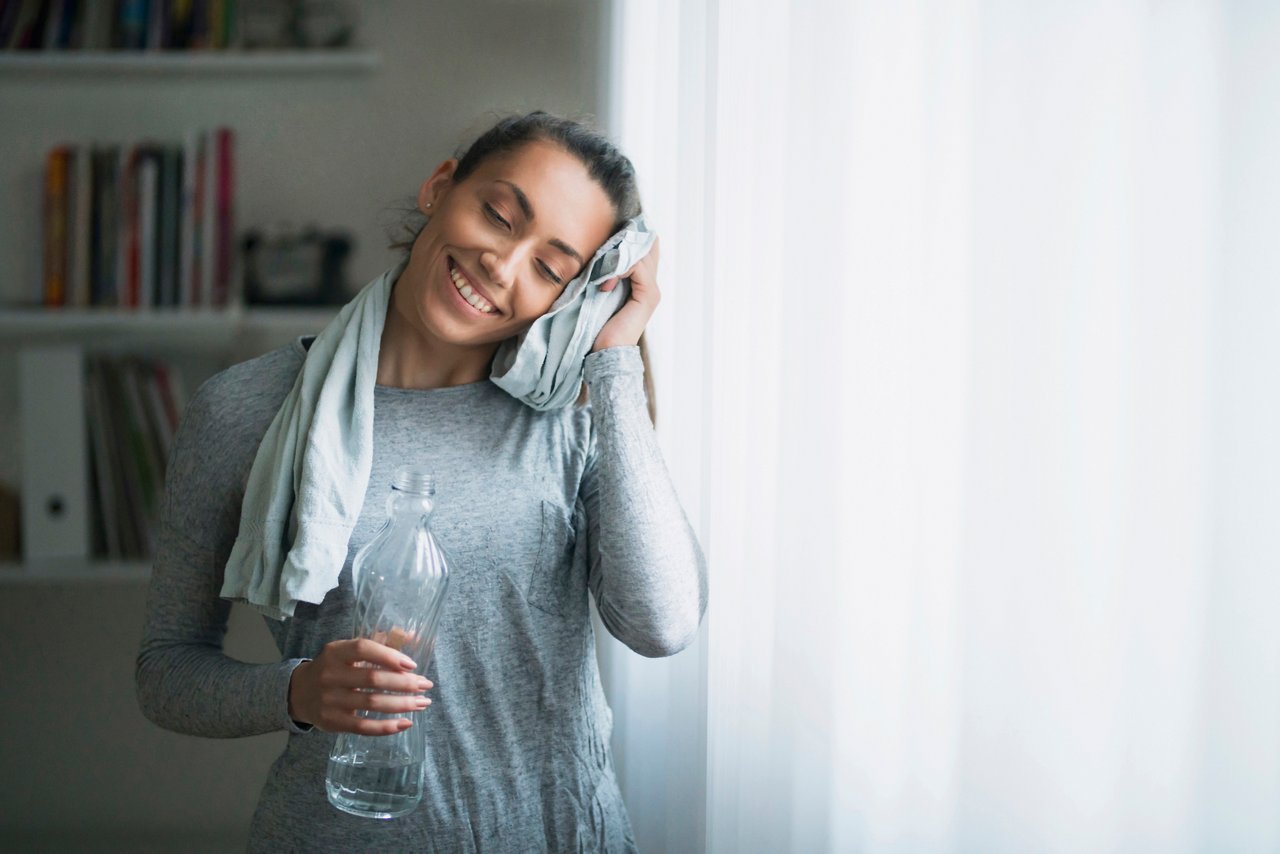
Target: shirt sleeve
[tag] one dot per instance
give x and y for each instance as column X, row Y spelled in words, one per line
column 647, row 571
column 184, row 680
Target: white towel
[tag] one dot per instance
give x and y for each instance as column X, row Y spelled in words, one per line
column 309, row 478
column 543, row 366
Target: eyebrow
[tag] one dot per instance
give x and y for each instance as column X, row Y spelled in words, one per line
column 527, row 210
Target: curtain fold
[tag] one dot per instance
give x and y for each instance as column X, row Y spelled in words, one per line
column 969, row 364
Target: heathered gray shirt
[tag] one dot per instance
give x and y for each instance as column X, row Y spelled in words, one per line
column 534, row 509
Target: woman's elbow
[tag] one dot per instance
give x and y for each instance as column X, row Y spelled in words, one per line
column 149, row 685
column 667, row 643
column 661, row 633
column 144, row 679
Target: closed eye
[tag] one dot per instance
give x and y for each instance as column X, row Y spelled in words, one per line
column 492, row 213
column 550, row 274
column 497, row 219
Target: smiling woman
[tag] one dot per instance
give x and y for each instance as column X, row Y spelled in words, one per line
column 539, row 508
column 548, row 139
column 494, row 255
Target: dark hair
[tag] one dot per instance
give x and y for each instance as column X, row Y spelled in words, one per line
column 608, row 166
column 605, row 163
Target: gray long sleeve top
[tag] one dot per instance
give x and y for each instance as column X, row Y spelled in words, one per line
column 534, row 509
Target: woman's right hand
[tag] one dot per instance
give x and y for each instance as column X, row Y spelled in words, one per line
column 326, row 691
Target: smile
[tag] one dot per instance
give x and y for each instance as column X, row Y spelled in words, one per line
column 468, row 293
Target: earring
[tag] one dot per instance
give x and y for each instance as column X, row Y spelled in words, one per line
column 428, row 204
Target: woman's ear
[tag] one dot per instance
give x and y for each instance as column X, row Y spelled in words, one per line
column 434, row 188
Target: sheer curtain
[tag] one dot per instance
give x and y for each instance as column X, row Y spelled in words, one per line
column 969, row 371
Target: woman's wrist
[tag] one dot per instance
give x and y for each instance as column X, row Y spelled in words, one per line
column 612, row 361
column 295, row 714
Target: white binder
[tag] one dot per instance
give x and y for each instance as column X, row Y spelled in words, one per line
column 55, row 460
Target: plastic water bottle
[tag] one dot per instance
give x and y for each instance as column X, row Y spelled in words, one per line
column 400, row 578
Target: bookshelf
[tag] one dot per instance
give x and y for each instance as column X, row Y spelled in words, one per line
column 200, row 341
column 55, row 345
column 216, row 330
column 158, row 62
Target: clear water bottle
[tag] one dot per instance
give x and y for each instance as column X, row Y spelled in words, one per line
column 400, row 578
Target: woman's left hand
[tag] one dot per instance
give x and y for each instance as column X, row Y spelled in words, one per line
column 624, row 328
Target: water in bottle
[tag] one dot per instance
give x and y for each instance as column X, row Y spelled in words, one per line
column 400, row 578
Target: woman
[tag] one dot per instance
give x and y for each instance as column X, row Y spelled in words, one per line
column 535, row 509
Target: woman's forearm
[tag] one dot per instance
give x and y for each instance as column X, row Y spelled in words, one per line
column 185, row 682
column 648, row 572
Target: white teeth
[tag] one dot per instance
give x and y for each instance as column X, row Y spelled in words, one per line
column 469, row 294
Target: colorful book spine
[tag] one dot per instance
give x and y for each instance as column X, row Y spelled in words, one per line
column 55, row 227
column 209, row 220
column 187, row 267
column 226, row 213
column 140, row 225
column 127, row 266
column 131, row 24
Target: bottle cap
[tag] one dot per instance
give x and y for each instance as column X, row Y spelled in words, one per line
column 414, row 479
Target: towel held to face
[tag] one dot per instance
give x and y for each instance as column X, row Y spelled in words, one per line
column 308, row 480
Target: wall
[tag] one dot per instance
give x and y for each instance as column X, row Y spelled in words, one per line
column 337, row 150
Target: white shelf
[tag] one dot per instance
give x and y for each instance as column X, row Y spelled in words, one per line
column 75, row 571
column 157, row 62
column 157, row 327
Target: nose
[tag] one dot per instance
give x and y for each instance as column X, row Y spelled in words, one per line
column 500, row 265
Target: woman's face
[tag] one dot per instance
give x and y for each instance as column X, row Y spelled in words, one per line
column 501, row 244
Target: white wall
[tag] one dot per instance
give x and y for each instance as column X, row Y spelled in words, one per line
column 337, row 150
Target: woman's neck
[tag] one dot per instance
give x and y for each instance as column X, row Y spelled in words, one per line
column 410, row 358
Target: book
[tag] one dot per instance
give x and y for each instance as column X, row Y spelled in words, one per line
column 208, row 219
column 78, row 276
column 96, row 32
column 224, row 251
column 131, row 24
column 127, row 229
column 199, row 36
column 155, row 37
column 55, row 227
column 148, row 462
column 76, row 29
column 103, row 468
column 125, row 456
column 148, row 222
column 106, row 163
column 8, row 21
column 28, row 26
column 179, row 23
column 56, row 11
column 191, row 205
column 170, row 214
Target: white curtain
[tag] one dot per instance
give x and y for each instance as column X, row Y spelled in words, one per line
column 969, row 372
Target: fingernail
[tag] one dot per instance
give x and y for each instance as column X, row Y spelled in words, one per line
column 423, row 702
column 424, row 684
column 405, row 724
column 407, row 663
